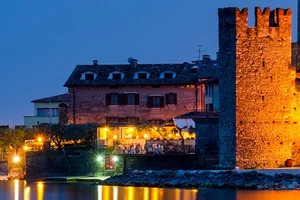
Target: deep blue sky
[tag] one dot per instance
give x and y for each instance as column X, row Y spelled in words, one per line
column 42, row 41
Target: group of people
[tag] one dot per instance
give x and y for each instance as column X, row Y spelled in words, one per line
column 129, row 149
column 150, row 147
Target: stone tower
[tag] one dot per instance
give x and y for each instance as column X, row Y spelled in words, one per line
column 257, row 88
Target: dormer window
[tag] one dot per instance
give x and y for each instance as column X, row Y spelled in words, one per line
column 89, row 77
column 142, row 76
column 168, row 75
column 116, row 76
column 193, row 70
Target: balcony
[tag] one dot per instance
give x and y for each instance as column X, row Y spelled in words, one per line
column 29, row 121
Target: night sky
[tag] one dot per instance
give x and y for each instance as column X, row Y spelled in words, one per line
column 41, row 42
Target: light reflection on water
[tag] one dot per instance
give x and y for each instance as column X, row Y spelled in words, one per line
column 19, row 190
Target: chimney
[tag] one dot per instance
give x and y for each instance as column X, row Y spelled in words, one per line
column 133, row 61
column 95, row 62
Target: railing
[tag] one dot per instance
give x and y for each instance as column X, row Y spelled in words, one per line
column 202, row 113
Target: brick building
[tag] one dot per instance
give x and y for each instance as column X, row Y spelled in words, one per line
column 126, row 94
column 259, row 100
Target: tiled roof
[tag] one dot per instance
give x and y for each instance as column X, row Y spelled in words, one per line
column 53, row 99
column 183, row 75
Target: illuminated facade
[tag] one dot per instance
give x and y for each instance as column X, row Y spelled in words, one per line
column 259, row 125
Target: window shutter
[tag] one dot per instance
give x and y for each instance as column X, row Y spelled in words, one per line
column 175, row 98
column 123, row 99
column 108, row 99
column 137, row 99
column 149, row 102
column 162, row 102
column 167, row 98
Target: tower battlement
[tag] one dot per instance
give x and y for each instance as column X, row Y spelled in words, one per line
column 264, row 18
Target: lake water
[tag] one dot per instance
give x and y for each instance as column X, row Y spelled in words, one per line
column 22, row 190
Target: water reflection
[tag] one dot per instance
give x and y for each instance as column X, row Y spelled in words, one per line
column 19, row 190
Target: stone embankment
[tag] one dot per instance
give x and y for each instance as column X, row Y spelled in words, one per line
column 206, row 179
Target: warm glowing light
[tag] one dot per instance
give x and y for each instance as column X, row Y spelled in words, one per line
column 115, row 159
column 16, row 159
column 115, row 193
column 177, row 134
column 137, row 137
column 105, row 129
column 130, row 129
column 40, row 139
column 16, row 189
column 170, row 135
column 99, row 187
column 40, row 191
column 27, row 193
column 129, row 135
column 26, row 148
column 155, row 128
column 99, row 158
column 115, row 137
column 145, row 136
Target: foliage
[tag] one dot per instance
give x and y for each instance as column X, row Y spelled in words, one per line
column 74, row 132
column 11, row 138
column 148, row 126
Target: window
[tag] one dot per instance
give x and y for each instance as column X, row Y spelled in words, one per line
column 47, row 112
column 89, row 77
column 122, row 99
column 209, row 107
column 130, row 99
column 168, row 75
column 112, row 120
column 208, row 90
column 114, row 99
column 142, row 76
column 155, row 102
column 171, row 98
column 116, row 76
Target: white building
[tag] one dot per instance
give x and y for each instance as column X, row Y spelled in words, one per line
column 46, row 110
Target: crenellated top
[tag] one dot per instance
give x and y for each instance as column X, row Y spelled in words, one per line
column 233, row 17
column 232, row 11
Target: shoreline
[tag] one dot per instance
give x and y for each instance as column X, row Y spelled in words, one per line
column 226, row 179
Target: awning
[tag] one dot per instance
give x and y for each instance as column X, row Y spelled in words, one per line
column 184, row 123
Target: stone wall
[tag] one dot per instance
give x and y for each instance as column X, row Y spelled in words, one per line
column 90, row 103
column 258, row 115
column 66, row 162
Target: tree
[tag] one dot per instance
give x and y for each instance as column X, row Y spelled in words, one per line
column 55, row 132
column 148, row 126
column 11, row 138
column 75, row 132
column 81, row 132
column 178, row 130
